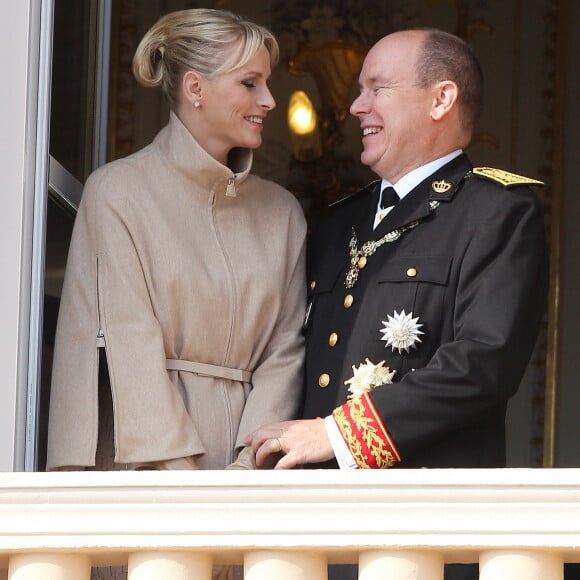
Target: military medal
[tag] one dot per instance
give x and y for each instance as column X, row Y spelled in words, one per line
column 401, row 331
column 368, row 376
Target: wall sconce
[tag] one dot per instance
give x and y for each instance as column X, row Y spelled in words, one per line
column 303, row 125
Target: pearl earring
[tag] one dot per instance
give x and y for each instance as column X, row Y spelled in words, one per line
column 197, row 104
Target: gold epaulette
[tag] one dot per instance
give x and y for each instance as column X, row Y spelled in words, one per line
column 506, row 178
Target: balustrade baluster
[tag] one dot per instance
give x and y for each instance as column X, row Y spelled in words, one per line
column 35, row 566
column 381, row 564
column 267, row 565
column 520, row 565
column 169, row 565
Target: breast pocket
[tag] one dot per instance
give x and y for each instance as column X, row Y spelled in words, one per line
column 419, row 285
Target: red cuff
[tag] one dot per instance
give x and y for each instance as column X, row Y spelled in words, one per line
column 364, row 433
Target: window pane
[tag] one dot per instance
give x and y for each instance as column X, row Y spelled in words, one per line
column 73, row 85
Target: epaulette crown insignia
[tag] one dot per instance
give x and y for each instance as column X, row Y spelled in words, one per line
column 506, row 178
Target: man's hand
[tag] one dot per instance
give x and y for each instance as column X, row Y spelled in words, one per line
column 297, row 442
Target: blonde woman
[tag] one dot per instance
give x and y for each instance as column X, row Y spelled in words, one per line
column 185, row 268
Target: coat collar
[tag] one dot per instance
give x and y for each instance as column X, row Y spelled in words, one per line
column 185, row 155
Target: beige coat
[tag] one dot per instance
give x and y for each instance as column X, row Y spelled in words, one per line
column 164, row 263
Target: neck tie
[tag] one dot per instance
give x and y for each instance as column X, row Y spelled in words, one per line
column 389, row 197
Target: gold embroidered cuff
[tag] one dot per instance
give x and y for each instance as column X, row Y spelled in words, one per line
column 364, row 433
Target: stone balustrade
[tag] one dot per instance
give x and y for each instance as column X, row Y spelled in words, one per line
column 519, row 524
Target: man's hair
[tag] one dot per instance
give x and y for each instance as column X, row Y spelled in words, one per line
column 445, row 56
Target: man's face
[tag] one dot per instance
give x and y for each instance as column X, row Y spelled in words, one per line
column 394, row 113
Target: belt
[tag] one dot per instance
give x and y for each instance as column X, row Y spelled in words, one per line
column 203, row 369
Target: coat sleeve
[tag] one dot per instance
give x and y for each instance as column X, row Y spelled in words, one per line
column 278, row 377
column 498, row 304
column 73, row 411
column 106, row 290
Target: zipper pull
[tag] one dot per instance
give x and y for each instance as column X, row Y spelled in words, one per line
column 231, row 187
column 100, row 339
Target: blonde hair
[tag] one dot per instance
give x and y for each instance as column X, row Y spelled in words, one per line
column 210, row 42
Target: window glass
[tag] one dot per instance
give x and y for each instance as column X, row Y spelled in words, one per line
column 72, row 122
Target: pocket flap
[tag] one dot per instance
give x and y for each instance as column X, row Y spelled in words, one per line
column 433, row 269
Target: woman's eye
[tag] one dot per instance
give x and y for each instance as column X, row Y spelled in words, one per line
column 249, row 84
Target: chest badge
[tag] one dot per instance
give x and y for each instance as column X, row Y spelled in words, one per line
column 401, row 331
column 367, row 376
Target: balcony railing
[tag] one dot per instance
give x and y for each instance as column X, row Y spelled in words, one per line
column 517, row 523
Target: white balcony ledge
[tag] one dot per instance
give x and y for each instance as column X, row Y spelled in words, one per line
column 460, row 515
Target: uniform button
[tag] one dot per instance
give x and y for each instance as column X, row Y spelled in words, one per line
column 348, row 300
column 362, row 262
column 412, row 272
column 333, row 339
column 312, row 284
column 324, row 380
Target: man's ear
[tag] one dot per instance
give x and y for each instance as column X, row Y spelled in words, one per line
column 445, row 98
column 191, row 86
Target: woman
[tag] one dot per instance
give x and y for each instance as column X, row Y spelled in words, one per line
column 185, row 268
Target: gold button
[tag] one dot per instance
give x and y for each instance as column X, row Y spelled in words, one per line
column 362, row 262
column 348, row 300
column 312, row 284
column 333, row 339
column 324, row 380
column 411, row 272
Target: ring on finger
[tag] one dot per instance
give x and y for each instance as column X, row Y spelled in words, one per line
column 281, row 449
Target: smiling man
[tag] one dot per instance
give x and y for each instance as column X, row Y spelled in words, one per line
column 427, row 287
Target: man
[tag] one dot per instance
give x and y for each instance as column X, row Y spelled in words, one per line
column 445, row 288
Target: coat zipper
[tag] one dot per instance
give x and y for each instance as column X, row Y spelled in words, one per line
column 231, row 192
column 231, row 187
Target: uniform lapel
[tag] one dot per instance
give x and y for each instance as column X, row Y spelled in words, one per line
column 330, row 257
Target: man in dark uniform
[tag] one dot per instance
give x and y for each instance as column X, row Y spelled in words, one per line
column 425, row 301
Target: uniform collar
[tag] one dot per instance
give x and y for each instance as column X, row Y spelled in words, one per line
column 439, row 186
column 185, row 154
column 412, row 179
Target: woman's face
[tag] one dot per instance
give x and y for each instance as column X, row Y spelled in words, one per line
column 233, row 108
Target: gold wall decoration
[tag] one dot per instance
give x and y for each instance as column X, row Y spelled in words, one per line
column 328, row 41
column 552, row 171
